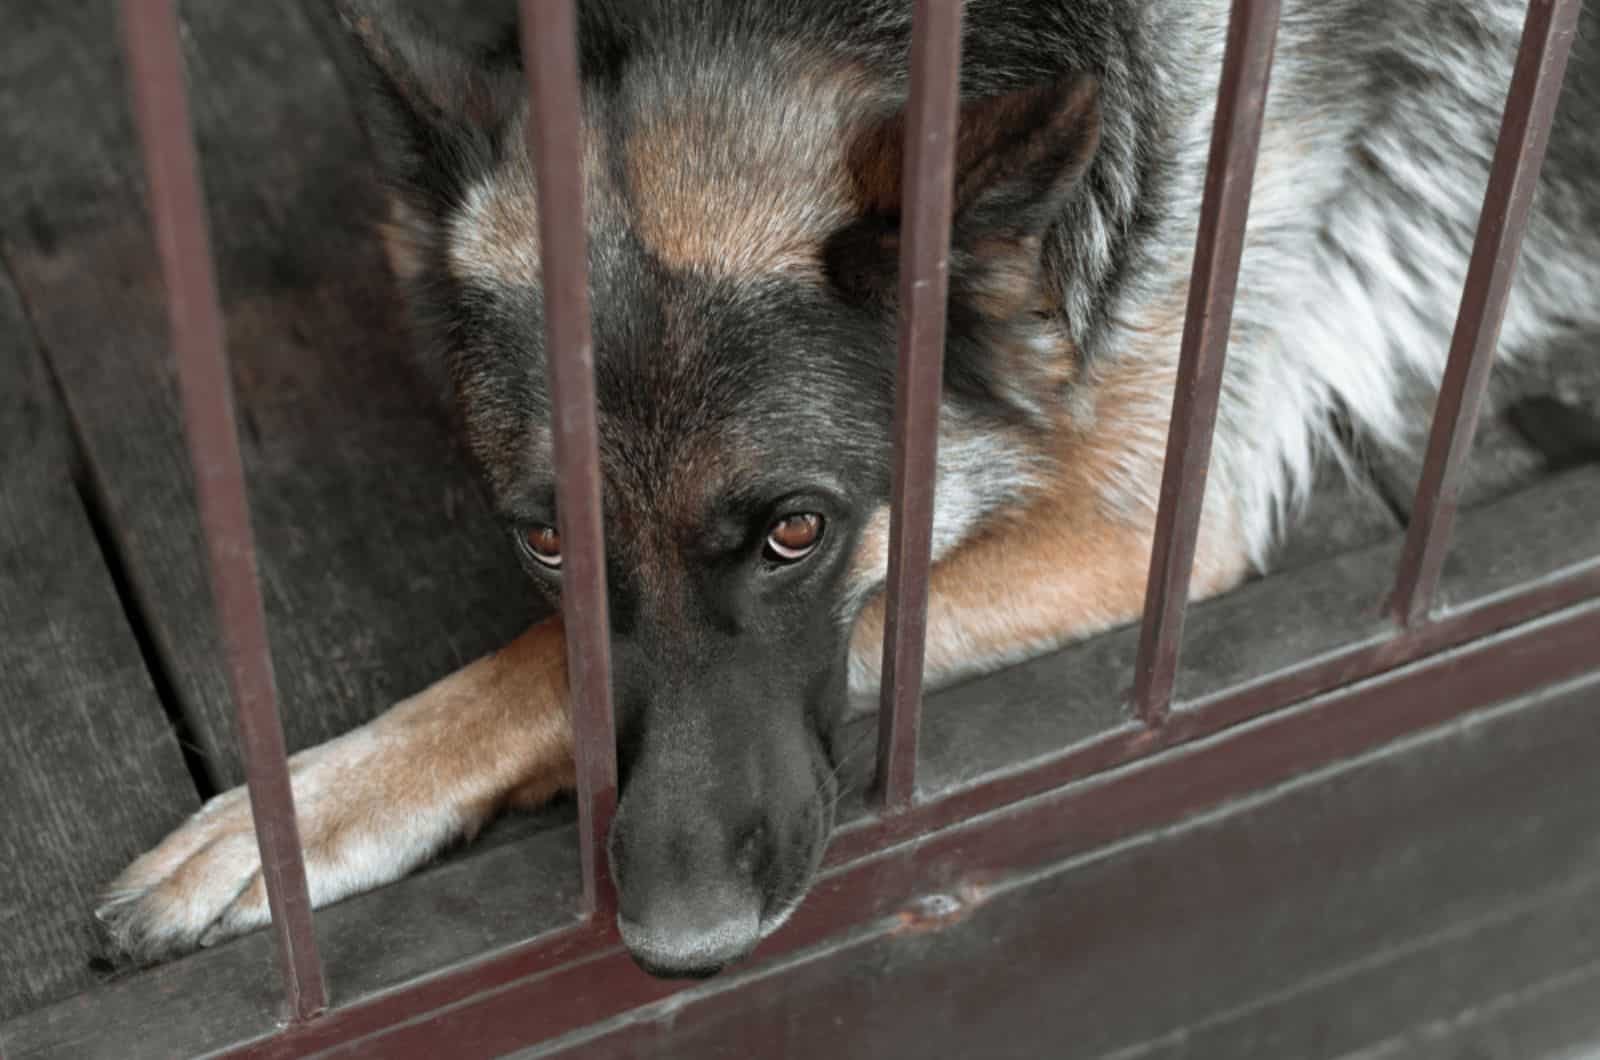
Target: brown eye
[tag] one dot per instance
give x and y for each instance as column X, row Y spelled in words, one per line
column 794, row 536
column 545, row 544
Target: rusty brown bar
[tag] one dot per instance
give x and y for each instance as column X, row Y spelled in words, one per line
column 1230, row 174
column 924, row 282
column 195, row 318
column 550, row 50
column 1547, row 36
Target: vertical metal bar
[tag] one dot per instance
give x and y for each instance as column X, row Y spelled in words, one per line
column 1547, row 36
column 549, row 47
column 928, row 191
column 1230, row 174
column 195, row 319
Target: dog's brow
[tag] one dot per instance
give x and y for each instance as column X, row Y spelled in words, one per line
column 534, row 502
column 744, row 509
column 765, row 491
column 726, row 533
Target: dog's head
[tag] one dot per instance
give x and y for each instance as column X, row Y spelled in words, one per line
column 741, row 201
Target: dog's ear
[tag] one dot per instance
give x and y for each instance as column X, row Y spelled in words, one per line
column 1019, row 158
column 435, row 116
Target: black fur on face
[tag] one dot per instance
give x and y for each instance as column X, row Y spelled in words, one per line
column 729, row 400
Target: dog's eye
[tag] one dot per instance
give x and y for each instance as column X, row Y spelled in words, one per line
column 545, row 544
column 794, row 536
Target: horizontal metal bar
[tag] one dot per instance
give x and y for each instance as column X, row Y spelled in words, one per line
column 1547, row 37
column 550, row 50
column 1219, row 243
column 195, row 318
column 929, row 170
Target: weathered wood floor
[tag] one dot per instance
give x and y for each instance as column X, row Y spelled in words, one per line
column 380, row 568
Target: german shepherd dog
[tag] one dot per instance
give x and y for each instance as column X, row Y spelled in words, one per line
column 743, row 173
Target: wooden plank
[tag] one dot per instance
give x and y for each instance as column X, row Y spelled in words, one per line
column 1346, row 511
column 1558, row 410
column 1542, row 416
column 1502, row 460
column 381, row 568
column 1508, row 985
column 1557, row 1019
column 90, row 773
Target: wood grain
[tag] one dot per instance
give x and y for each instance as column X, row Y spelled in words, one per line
column 381, row 569
column 89, row 771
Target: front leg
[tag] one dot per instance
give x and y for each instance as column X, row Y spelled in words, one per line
column 1070, row 560
column 372, row 805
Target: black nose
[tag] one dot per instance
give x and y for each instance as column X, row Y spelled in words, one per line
column 693, row 932
column 662, row 972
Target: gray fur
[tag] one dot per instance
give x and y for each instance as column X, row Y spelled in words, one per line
column 1381, row 121
column 1380, row 125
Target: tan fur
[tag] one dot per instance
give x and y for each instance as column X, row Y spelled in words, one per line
column 704, row 217
column 867, row 564
column 403, row 240
column 372, row 804
column 742, row 194
column 1010, row 284
column 494, row 239
column 499, row 725
column 1072, row 560
column 690, row 186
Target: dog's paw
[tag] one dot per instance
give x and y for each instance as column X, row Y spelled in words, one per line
column 203, row 883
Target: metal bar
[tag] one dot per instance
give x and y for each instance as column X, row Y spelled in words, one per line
column 1219, row 243
column 550, row 50
column 195, row 318
column 929, row 175
column 1547, row 36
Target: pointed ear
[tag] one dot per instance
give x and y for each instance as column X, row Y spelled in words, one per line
column 434, row 115
column 1019, row 158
